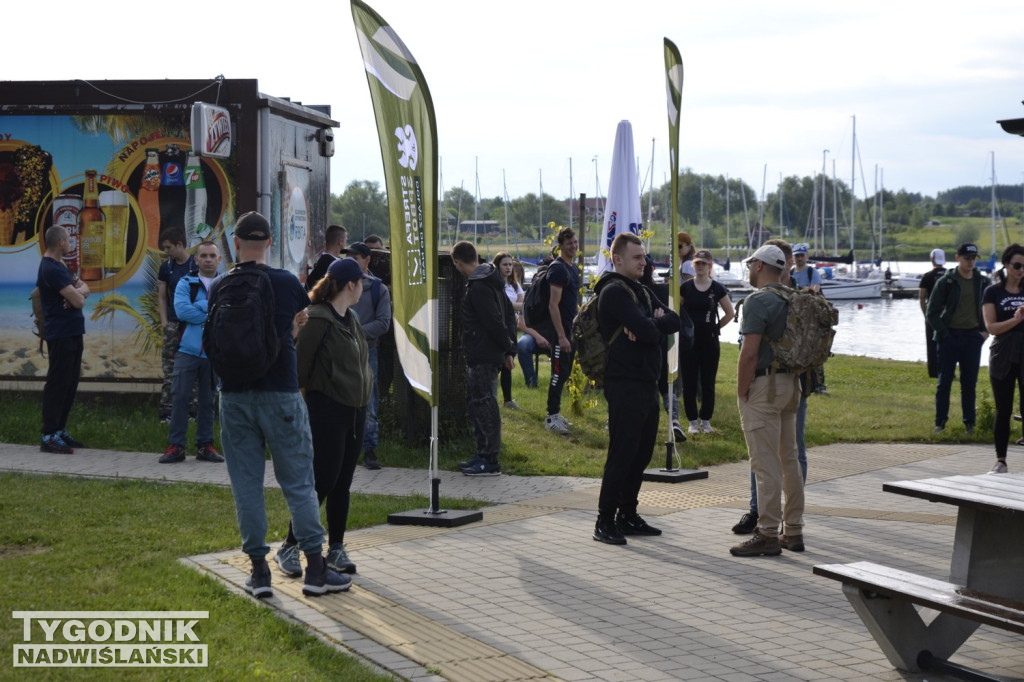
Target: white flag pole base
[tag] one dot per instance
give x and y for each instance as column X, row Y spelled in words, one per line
column 434, row 516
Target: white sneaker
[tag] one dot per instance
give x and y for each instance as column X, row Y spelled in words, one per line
column 999, row 468
column 694, row 427
column 705, row 426
column 553, row 424
column 562, row 419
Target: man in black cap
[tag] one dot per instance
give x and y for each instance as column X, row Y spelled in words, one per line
column 374, row 310
column 954, row 312
column 270, row 414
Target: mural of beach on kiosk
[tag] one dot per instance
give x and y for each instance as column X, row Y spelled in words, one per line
column 115, row 181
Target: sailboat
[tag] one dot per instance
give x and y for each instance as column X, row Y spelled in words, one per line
column 847, row 287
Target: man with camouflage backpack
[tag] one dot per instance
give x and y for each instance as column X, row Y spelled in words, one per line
column 768, row 395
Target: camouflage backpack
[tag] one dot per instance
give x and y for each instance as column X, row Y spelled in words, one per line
column 807, row 341
column 591, row 349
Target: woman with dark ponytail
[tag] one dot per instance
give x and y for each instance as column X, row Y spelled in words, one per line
column 1003, row 310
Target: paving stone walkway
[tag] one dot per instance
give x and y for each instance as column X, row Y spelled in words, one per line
column 526, row 594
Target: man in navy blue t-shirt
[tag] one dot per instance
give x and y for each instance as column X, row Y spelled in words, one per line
column 63, row 297
column 179, row 263
column 564, row 278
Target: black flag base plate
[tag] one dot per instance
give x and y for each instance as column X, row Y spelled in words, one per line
column 445, row 518
column 674, row 475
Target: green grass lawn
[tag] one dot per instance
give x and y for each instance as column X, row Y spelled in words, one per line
column 869, row 400
column 81, row 544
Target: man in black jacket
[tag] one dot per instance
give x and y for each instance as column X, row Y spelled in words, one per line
column 633, row 322
column 488, row 333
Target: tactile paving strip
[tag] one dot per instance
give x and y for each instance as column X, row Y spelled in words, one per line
column 457, row 657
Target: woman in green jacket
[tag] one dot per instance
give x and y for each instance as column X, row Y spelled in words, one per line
column 336, row 381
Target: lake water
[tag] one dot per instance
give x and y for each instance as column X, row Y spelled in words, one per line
column 878, row 328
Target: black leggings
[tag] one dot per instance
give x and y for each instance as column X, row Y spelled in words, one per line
column 337, row 432
column 1002, row 394
column 505, row 377
column 699, row 366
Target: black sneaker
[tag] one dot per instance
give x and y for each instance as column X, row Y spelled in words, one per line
column 55, row 445
column 69, row 439
column 258, row 583
column 677, row 432
column 634, row 525
column 483, row 468
column 337, row 559
column 173, row 455
column 320, row 579
column 471, row 462
column 747, row 524
column 607, row 532
column 370, row 460
column 207, row 453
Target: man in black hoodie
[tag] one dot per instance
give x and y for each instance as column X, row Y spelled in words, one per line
column 633, row 322
column 488, row 337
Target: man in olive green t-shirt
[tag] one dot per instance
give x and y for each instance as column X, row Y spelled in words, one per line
column 768, row 404
column 954, row 312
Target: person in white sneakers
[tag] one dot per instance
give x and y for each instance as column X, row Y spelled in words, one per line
column 563, row 304
column 702, row 297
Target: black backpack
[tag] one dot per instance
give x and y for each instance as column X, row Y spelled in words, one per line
column 535, row 303
column 239, row 336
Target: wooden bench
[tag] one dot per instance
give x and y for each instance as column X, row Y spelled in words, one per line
column 884, row 598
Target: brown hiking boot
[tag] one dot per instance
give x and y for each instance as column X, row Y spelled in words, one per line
column 794, row 543
column 758, row 545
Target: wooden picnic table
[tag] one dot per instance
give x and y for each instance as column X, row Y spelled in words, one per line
column 988, row 548
column 986, row 579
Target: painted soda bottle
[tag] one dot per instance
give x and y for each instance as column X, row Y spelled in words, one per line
column 91, row 230
column 172, row 189
column 196, row 229
column 149, row 198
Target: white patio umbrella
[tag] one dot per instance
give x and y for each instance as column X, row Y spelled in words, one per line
column 622, row 210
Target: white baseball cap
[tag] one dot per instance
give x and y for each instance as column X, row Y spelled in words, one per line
column 770, row 255
column 938, row 256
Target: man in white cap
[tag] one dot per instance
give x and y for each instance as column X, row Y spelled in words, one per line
column 928, row 280
column 768, row 402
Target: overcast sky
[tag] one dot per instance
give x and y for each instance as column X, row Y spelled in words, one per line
column 523, row 87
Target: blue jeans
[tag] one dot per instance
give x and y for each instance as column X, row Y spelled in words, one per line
column 801, row 451
column 958, row 348
column 188, row 369
column 526, row 348
column 372, row 429
column 251, row 422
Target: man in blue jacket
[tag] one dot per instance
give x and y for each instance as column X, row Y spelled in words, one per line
column 954, row 312
column 190, row 362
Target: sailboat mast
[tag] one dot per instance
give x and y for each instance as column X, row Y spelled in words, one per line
column 727, row 220
column 853, row 178
column 782, row 198
column 993, row 204
column 835, row 210
column 540, row 198
column 819, row 244
column 571, row 195
column 504, row 190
